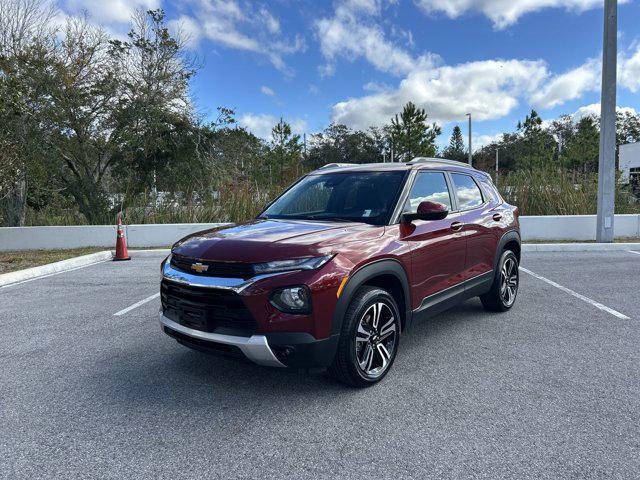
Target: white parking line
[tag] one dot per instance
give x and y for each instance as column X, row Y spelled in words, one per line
column 577, row 295
column 136, row 305
column 633, row 251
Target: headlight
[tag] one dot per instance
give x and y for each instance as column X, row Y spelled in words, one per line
column 292, row 299
column 295, row 264
column 164, row 262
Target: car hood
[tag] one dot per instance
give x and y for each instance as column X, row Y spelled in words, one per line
column 266, row 240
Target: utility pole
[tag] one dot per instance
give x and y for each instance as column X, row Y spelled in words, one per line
column 607, row 156
column 497, row 160
column 470, row 155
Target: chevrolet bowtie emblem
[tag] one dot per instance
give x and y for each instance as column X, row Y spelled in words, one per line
column 198, row 267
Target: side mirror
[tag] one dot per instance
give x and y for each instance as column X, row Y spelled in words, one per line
column 427, row 211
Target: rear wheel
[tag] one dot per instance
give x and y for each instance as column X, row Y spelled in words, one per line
column 504, row 290
column 369, row 339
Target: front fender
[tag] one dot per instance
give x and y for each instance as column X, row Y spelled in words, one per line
column 385, row 266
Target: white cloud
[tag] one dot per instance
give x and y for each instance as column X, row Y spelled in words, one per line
column 188, row 30
column 261, row 124
column 227, row 23
column 488, row 89
column 109, row 11
column 629, row 70
column 593, row 110
column 586, row 78
column 375, row 87
column 267, row 91
column 353, row 33
column 480, row 141
column 504, row 12
column 298, row 125
column 272, row 23
column 569, row 86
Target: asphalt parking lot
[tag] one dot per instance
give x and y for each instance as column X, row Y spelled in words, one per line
column 550, row 389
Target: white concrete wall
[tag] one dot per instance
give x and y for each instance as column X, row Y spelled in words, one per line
column 156, row 235
column 44, row 238
column 38, row 238
column 574, row 227
column 568, row 227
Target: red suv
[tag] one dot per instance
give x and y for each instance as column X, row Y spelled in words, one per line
column 334, row 271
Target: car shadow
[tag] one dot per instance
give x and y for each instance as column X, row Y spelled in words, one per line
column 158, row 372
column 458, row 316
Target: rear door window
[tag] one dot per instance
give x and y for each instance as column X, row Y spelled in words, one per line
column 467, row 191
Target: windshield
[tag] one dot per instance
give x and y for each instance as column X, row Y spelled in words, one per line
column 367, row 197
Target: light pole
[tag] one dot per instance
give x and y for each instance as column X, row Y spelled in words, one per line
column 470, row 157
column 607, row 154
column 497, row 160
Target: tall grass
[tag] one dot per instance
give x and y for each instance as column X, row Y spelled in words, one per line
column 554, row 191
column 545, row 191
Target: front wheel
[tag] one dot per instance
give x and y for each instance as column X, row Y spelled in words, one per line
column 503, row 292
column 369, row 338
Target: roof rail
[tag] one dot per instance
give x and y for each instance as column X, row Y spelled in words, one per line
column 439, row 160
column 333, row 165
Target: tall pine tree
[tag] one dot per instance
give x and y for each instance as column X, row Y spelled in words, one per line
column 286, row 149
column 411, row 136
column 455, row 150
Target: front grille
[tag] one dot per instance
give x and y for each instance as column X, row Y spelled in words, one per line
column 214, row 269
column 206, row 309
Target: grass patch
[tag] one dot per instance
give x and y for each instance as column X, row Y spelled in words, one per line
column 19, row 260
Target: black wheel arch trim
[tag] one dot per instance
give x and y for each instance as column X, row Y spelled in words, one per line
column 511, row 235
column 376, row 268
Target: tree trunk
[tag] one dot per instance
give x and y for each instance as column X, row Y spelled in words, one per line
column 21, row 200
column 91, row 200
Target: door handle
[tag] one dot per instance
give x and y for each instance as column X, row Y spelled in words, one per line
column 497, row 217
column 456, row 226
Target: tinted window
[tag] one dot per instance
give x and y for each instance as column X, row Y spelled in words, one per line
column 489, row 189
column 353, row 196
column 428, row 186
column 467, row 191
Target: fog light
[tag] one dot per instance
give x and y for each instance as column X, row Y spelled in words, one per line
column 292, row 299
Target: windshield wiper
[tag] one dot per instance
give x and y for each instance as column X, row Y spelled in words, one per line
column 329, row 219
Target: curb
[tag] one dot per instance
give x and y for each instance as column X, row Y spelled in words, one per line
column 151, row 252
column 52, row 268
column 579, row 247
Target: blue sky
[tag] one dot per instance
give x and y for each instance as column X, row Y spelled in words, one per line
column 358, row 61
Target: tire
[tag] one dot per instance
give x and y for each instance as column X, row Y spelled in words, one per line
column 367, row 348
column 504, row 289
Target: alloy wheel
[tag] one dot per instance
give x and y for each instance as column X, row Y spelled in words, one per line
column 509, row 281
column 376, row 339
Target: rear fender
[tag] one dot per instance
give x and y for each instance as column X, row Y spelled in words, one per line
column 510, row 236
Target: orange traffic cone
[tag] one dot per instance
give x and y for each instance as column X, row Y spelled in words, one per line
column 121, row 245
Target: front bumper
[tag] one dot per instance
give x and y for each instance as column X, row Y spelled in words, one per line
column 295, row 350
column 255, row 348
